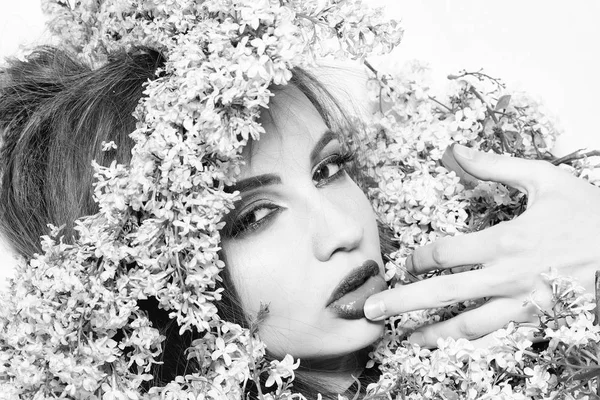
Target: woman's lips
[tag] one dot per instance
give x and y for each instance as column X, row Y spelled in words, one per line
column 348, row 298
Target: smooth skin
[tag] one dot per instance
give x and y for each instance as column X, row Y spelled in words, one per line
column 304, row 229
column 560, row 229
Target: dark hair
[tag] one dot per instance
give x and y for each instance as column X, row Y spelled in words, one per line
column 54, row 115
column 55, row 112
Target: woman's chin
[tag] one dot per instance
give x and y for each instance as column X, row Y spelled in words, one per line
column 356, row 335
column 347, row 336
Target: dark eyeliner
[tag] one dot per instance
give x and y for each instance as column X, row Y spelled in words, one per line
column 239, row 225
column 342, row 159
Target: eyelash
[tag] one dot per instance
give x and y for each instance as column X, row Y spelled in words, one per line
column 341, row 159
column 241, row 226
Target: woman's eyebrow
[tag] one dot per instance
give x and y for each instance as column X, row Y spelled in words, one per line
column 327, row 137
column 254, row 182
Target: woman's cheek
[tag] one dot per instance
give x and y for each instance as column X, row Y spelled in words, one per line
column 257, row 273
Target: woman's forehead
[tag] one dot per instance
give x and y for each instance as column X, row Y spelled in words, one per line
column 288, row 103
column 290, row 121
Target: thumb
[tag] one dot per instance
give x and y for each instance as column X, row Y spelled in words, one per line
column 449, row 161
column 522, row 174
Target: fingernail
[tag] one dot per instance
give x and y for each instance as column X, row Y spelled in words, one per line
column 464, row 152
column 374, row 310
column 417, row 338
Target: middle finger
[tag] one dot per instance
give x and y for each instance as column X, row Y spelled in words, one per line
column 480, row 247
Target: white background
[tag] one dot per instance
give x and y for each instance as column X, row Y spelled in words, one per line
column 549, row 48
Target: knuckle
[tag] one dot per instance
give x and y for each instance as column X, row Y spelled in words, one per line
column 427, row 336
column 467, row 330
column 448, row 296
column 416, row 262
column 430, row 337
column 440, row 253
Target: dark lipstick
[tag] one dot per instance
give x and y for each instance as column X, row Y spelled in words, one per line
column 348, row 298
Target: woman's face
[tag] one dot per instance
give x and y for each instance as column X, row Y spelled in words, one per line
column 303, row 240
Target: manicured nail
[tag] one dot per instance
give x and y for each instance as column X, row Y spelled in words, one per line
column 464, row 152
column 417, row 338
column 374, row 310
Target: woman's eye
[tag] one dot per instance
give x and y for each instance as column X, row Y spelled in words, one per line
column 256, row 215
column 331, row 168
column 326, row 171
column 252, row 219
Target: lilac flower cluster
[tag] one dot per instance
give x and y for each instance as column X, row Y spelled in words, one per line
column 70, row 326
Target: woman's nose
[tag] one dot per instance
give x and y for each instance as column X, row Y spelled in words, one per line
column 335, row 226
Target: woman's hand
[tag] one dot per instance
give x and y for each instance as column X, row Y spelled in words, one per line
column 560, row 229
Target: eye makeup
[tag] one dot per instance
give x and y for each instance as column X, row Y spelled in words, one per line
column 252, row 219
column 340, row 162
column 256, row 210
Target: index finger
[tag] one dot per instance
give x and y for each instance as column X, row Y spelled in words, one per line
column 437, row 292
column 472, row 248
column 523, row 174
